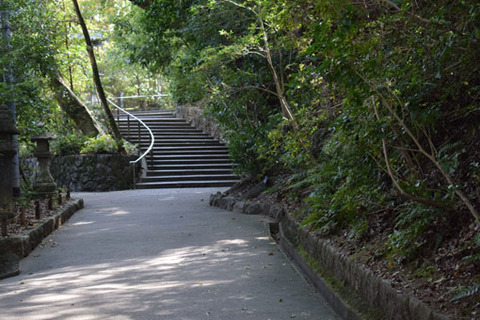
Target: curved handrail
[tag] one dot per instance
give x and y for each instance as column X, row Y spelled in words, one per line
column 152, row 138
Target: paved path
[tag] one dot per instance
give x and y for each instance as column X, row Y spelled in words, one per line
column 158, row 254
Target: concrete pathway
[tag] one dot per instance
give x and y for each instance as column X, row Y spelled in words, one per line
column 158, row 254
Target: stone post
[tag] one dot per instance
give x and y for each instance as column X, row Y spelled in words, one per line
column 44, row 183
column 7, row 152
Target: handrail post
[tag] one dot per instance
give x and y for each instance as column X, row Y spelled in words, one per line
column 139, row 133
column 128, row 125
column 134, row 177
column 151, row 159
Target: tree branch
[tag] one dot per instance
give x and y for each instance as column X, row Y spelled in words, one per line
column 422, row 150
column 258, row 88
column 411, row 14
column 393, row 177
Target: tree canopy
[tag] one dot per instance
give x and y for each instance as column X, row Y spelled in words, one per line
column 53, row 87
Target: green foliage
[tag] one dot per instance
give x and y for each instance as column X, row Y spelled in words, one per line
column 45, row 39
column 27, row 57
column 465, row 292
column 75, row 143
column 474, row 258
column 341, row 194
column 100, row 144
column 68, row 144
column 411, row 225
column 248, row 133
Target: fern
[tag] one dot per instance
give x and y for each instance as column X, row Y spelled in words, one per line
column 465, row 292
column 473, row 257
column 305, row 179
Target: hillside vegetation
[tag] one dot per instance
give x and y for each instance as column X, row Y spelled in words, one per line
column 366, row 112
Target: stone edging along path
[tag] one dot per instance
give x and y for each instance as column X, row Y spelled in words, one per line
column 13, row 249
column 354, row 292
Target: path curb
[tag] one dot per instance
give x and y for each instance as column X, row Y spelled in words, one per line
column 353, row 291
column 13, row 249
column 313, row 278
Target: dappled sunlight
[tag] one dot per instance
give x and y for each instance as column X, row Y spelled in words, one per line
column 82, row 223
column 167, row 199
column 118, row 213
column 53, row 298
column 54, row 278
column 166, row 262
column 232, row 241
column 263, row 238
column 134, row 262
column 167, row 277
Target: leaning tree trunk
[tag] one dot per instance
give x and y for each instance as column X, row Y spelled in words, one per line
column 74, row 108
column 96, row 78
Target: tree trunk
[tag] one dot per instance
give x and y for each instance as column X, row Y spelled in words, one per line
column 279, row 85
column 96, row 78
column 74, row 108
column 9, row 81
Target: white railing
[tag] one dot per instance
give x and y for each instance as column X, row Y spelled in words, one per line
column 140, row 122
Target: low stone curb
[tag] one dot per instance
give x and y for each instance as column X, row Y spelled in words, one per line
column 353, row 291
column 13, row 249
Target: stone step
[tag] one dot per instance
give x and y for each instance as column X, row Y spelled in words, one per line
column 191, row 166
column 170, row 134
column 182, row 156
column 149, row 113
column 156, row 145
column 181, row 171
column 185, row 184
column 170, row 127
column 149, row 118
column 179, row 148
column 162, row 152
column 134, row 139
column 190, row 156
column 182, row 161
column 157, row 122
column 185, row 143
column 134, row 126
column 191, row 153
column 211, row 159
column 195, row 177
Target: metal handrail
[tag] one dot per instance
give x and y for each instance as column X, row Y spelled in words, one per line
column 142, row 96
column 152, row 138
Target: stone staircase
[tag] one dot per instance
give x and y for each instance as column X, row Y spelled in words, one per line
column 183, row 157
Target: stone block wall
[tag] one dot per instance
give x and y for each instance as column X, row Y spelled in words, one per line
column 100, row 172
column 196, row 117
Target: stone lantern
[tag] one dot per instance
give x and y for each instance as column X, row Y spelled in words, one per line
column 44, row 183
column 7, row 152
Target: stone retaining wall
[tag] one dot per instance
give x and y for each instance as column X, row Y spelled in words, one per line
column 100, row 172
column 355, row 284
column 13, row 249
column 196, row 117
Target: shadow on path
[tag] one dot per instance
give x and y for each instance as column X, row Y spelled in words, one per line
column 158, row 254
